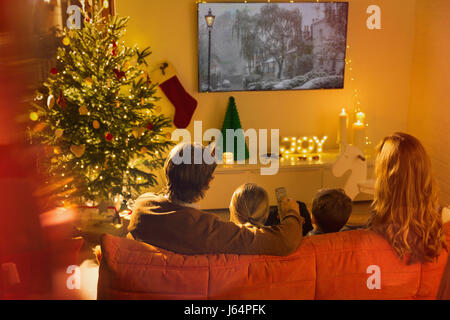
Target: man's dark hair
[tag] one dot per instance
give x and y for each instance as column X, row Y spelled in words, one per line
column 331, row 209
column 187, row 181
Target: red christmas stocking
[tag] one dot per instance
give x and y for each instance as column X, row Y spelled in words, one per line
column 183, row 102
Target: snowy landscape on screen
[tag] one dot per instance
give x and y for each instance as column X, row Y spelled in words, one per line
column 264, row 46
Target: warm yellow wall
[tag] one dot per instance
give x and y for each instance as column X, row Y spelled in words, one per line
column 429, row 114
column 381, row 61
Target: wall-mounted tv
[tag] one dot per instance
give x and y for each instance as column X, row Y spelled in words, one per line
column 271, row 46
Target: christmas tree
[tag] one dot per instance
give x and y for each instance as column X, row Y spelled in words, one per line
column 233, row 122
column 96, row 114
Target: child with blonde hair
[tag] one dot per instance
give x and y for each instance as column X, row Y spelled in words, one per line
column 249, row 205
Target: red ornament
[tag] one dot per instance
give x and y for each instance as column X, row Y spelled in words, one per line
column 109, row 137
column 114, row 50
column 54, row 71
column 61, row 100
column 150, row 126
column 119, row 74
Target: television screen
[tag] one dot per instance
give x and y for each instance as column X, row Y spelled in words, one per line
column 271, row 46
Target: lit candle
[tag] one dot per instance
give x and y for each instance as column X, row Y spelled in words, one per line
column 343, row 124
column 228, row 158
column 361, row 117
column 359, row 134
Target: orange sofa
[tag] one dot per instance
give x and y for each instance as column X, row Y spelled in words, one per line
column 332, row 266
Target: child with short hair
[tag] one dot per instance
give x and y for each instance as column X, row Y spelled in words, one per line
column 331, row 210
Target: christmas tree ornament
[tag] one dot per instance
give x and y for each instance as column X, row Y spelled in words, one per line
column 39, row 96
column 88, row 81
column 54, row 71
column 138, row 132
column 83, row 110
column 150, row 126
column 119, row 74
column 34, row 116
column 183, row 102
column 39, row 127
column 61, row 100
column 57, row 150
column 50, row 101
column 117, row 104
column 114, row 50
column 59, row 133
column 96, row 124
column 66, row 41
column 78, row 151
column 233, row 122
column 109, row 137
column 143, row 150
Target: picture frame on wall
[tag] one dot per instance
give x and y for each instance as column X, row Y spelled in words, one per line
column 271, row 46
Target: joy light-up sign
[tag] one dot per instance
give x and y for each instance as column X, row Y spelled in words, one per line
column 303, row 146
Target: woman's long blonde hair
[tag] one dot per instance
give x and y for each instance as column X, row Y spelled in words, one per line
column 249, row 204
column 406, row 202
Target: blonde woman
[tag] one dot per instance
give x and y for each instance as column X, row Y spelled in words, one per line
column 406, row 205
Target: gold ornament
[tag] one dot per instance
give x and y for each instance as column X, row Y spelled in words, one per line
column 50, row 101
column 59, row 133
column 78, row 151
column 57, row 150
column 88, row 81
column 34, row 116
column 96, row 124
column 137, row 132
column 66, row 41
column 117, row 103
column 83, row 110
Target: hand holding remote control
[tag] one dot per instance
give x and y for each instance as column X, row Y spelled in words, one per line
column 284, row 203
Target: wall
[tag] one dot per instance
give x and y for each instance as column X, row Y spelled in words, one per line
column 429, row 116
column 381, row 61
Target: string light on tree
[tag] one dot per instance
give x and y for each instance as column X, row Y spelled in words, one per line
column 86, row 125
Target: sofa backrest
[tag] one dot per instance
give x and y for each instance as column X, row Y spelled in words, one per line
column 348, row 265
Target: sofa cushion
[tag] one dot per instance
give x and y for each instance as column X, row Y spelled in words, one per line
column 135, row 270
column 330, row 266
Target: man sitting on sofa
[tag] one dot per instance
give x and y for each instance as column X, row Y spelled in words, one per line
column 173, row 220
